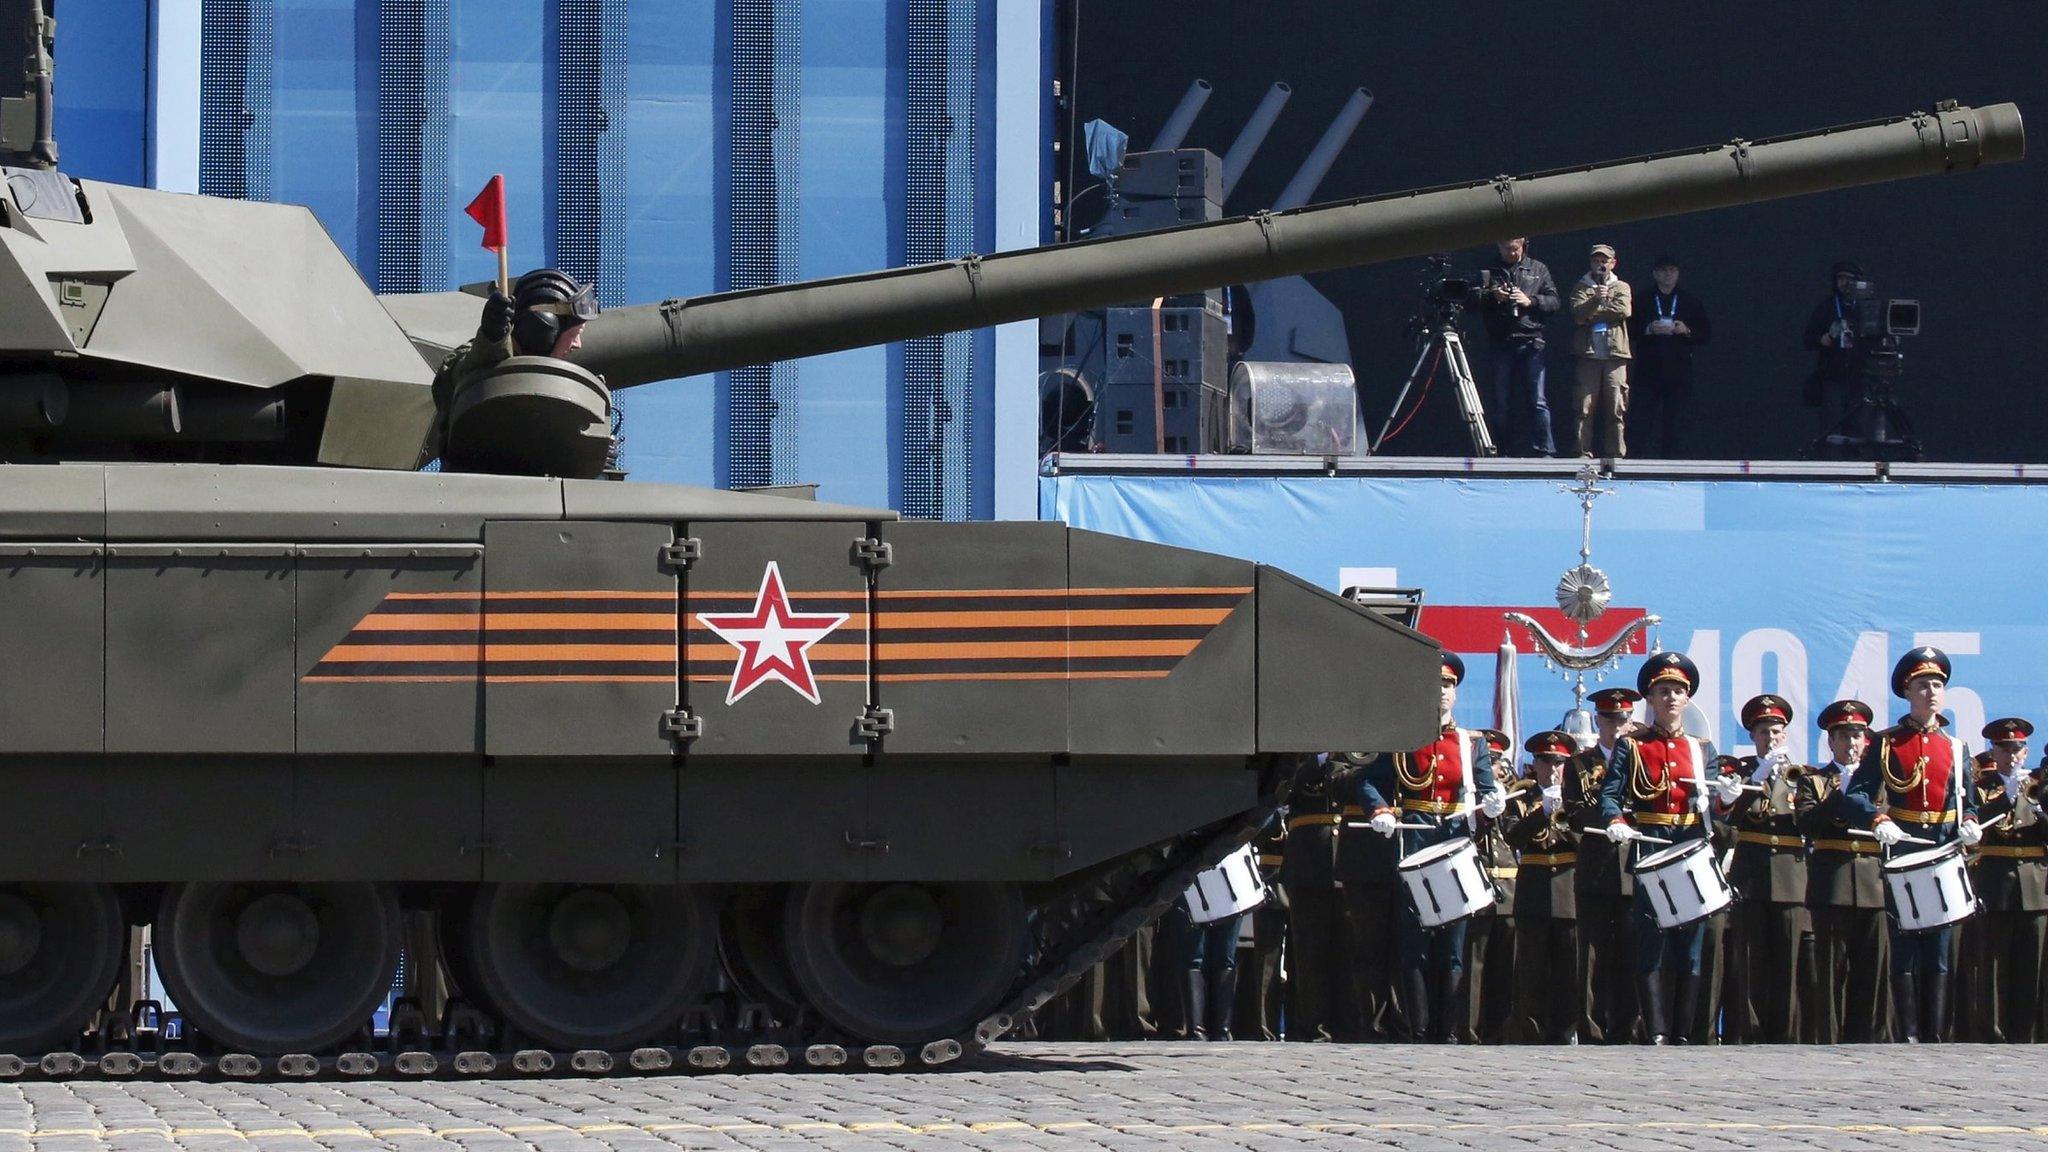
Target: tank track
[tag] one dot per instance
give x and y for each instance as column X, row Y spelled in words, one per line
column 1136, row 896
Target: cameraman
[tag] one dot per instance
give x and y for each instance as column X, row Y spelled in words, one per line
column 1838, row 356
column 1517, row 301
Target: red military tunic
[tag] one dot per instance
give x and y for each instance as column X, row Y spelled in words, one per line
column 1919, row 766
column 1433, row 777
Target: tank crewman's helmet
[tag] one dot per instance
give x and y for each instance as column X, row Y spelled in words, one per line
column 1668, row 666
column 1765, row 707
column 1922, row 661
column 546, row 301
column 1841, row 712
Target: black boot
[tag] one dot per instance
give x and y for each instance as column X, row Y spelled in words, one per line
column 1906, row 1006
column 1454, row 1010
column 1934, row 1028
column 1193, row 1004
column 1415, row 989
column 1687, row 1007
column 1222, row 1002
column 1650, row 991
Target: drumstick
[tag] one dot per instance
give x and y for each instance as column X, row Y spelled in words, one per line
column 1902, row 840
column 1638, row 836
column 1410, row 827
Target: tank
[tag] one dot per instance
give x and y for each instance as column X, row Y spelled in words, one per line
column 636, row 777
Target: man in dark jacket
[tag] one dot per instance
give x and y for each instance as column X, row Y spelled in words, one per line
column 1663, row 331
column 1521, row 300
column 1546, row 985
column 1838, row 357
column 1845, row 892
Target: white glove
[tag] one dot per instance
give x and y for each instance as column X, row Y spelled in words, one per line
column 1493, row 804
column 1620, row 833
column 1762, row 772
column 1553, row 798
column 1383, row 824
column 1970, row 832
column 1888, row 833
column 1727, row 788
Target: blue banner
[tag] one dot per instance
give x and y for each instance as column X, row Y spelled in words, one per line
column 1808, row 590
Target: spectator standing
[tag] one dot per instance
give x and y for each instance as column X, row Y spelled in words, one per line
column 1662, row 336
column 1600, row 307
column 1520, row 302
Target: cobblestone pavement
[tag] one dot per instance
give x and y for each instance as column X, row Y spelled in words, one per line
column 1181, row 1096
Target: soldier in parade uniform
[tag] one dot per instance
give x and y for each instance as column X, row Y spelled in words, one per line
column 1371, row 1008
column 1769, row 871
column 1539, row 829
column 1657, row 784
column 1439, row 785
column 1259, row 998
column 2011, row 878
column 1316, row 932
column 1851, row 1002
column 1490, row 941
column 1914, row 782
column 1603, row 889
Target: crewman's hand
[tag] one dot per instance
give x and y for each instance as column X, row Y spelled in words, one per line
column 1493, row 804
column 1727, row 787
column 1620, row 833
column 1970, row 832
column 1888, row 833
column 497, row 322
column 1383, row 823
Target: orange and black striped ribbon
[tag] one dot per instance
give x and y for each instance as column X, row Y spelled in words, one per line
column 575, row 636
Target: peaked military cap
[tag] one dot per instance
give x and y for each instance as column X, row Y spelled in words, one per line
column 2010, row 728
column 1765, row 707
column 1552, row 743
column 1615, row 701
column 1495, row 739
column 1454, row 667
column 1846, row 712
column 1925, row 660
column 1668, row 666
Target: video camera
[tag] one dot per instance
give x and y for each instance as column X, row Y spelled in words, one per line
column 1872, row 320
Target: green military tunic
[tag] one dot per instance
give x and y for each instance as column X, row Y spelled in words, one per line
column 2003, row 966
column 1490, row 941
column 1603, row 894
column 1851, row 998
column 1547, row 991
column 1770, row 921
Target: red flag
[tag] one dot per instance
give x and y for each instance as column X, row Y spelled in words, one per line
column 488, row 209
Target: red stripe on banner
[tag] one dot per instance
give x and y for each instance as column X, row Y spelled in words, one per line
column 1468, row 629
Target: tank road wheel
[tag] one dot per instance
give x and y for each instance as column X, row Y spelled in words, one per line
column 904, row 963
column 277, row 968
column 593, row 966
column 750, row 944
column 60, row 951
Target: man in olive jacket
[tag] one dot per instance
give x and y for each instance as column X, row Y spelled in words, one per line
column 1601, row 308
column 2010, row 873
column 1844, row 892
column 1771, row 921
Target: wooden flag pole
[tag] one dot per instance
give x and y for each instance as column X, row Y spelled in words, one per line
column 504, row 271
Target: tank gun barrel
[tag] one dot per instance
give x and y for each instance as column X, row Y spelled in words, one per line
column 708, row 333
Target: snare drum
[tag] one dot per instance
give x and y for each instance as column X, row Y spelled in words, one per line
column 1931, row 888
column 1684, row 883
column 1447, row 882
column 1232, row 886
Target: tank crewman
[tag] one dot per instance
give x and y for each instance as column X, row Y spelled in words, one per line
column 1490, row 941
column 543, row 316
column 1851, row 1002
column 1444, row 785
column 1546, row 1002
column 1769, row 871
column 1656, row 785
column 1606, row 996
column 2011, row 878
column 1913, row 782
column 1315, row 903
column 1259, row 998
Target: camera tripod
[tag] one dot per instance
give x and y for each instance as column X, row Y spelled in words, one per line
column 1441, row 338
column 1875, row 426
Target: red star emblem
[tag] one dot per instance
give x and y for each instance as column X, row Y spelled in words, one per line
column 772, row 639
